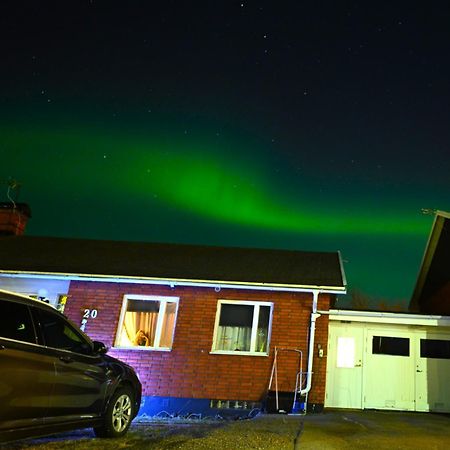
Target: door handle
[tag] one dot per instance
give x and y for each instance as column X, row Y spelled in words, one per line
column 2, row 347
column 419, row 371
column 358, row 365
column 66, row 359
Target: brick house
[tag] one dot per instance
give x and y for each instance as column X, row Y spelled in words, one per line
column 199, row 324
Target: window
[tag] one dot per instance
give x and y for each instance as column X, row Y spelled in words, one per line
column 15, row 322
column 58, row 333
column 242, row 327
column 387, row 345
column 434, row 348
column 345, row 352
column 147, row 322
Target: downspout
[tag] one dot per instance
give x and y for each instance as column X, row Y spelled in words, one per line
column 312, row 333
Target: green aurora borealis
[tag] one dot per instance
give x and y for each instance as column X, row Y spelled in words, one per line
column 198, row 178
column 165, row 187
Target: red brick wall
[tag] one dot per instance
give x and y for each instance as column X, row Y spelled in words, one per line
column 189, row 370
column 12, row 221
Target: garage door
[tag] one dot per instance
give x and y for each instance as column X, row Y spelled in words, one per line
column 389, row 371
column 344, row 366
column 382, row 368
column 432, row 371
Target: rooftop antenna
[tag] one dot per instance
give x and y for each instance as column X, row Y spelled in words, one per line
column 12, row 189
column 12, row 192
column 429, row 211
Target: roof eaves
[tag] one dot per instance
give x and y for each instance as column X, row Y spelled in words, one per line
column 443, row 214
column 341, row 265
column 387, row 317
column 177, row 281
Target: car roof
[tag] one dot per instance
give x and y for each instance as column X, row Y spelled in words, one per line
column 9, row 295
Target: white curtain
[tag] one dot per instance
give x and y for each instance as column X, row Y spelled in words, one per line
column 234, row 338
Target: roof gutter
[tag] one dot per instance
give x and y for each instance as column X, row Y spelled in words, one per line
column 387, row 317
column 173, row 282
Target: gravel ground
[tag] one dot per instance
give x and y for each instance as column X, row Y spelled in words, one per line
column 260, row 433
column 347, row 430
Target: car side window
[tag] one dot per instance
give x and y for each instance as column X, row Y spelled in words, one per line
column 15, row 322
column 58, row 333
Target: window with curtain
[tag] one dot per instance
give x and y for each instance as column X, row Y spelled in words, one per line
column 242, row 326
column 147, row 322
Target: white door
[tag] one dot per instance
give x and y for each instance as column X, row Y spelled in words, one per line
column 388, row 375
column 432, row 371
column 344, row 366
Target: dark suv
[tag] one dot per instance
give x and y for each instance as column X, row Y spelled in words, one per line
column 54, row 378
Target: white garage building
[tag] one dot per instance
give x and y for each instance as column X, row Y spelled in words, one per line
column 388, row 361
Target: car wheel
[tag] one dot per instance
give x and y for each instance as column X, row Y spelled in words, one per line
column 118, row 415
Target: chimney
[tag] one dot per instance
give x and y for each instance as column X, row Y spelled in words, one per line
column 13, row 218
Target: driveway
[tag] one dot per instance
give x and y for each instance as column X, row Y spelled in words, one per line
column 330, row 430
column 376, row 430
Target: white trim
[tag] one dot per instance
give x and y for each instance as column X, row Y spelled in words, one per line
column 161, row 313
column 123, row 310
column 224, row 352
column 341, row 265
column 163, row 300
column 176, row 282
column 428, row 254
column 143, row 349
column 443, row 214
column 385, row 317
column 254, row 334
column 256, row 307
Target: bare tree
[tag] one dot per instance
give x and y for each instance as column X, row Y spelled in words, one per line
column 359, row 300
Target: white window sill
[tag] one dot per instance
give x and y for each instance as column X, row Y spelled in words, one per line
column 143, row 348
column 237, row 353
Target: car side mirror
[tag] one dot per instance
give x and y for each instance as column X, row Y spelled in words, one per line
column 99, row 348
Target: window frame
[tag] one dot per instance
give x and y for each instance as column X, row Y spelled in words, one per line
column 163, row 300
column 256, row 308
column 391, row 349
column 86, row 344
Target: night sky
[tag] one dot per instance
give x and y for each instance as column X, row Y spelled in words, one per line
column 298, row 125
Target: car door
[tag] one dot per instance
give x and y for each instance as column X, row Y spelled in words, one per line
column 81, row 375
column 27, row 374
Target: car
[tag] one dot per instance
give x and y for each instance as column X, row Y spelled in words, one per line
column 53, row 378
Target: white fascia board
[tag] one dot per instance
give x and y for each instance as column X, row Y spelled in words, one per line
column 443, row 214
column 175, row 282
column 341, row 265
column 385, row 317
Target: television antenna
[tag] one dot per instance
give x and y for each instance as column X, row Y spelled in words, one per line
column 12, row 189
column 429, row 211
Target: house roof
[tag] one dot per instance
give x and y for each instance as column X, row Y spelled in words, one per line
column 432, row 292
column 177, row 262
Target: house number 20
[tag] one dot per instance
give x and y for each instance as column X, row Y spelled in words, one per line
column 87, row 314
